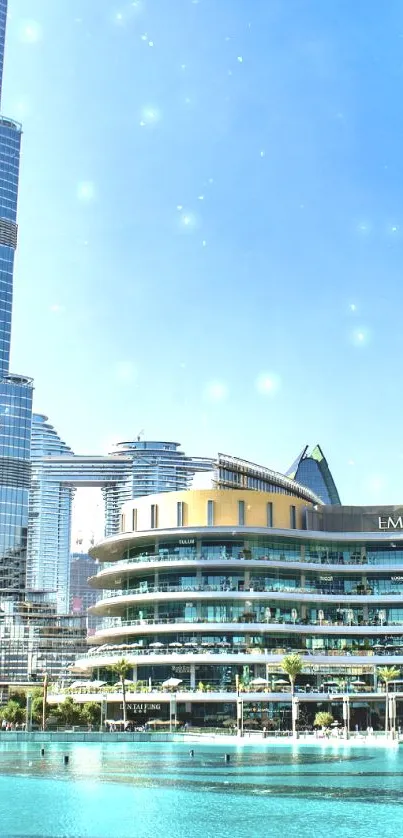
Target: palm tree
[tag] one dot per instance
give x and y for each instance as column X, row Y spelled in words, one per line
column 292, row 665
column 386, row 674
column 121, row 669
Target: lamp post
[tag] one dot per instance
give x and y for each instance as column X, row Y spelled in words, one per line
column 44, row 700
column 392, row 715
column 239, row 709
column 346, row 715
column 28, row 713
column 295, row 712
column 172, row 711
column 103, row 713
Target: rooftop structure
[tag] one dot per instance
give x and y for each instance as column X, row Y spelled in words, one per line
column 311, row 469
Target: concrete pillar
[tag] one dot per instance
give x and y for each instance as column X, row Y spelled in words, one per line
column 192, row 676
column 134, row 675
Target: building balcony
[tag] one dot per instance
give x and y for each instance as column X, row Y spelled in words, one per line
column 123, row 597
column 118, row 627
column 157, row 561
column 105, row 657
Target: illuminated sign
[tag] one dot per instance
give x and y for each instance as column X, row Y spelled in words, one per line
column 387, row 522
column 142, row 708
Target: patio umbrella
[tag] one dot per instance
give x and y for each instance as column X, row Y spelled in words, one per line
column 330, row 683
column 335, row 723
column 192, row 643
column 156, row 645
column 259, row 682
column 172, row 682
column 175, row 645
column 127, row 681
column 281, row 681
column 359, row 683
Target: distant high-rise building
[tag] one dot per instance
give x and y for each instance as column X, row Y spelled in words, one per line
column 132, row 469
column 82, row 595
column 15, row 390
column 311, row 469
column 49, row 517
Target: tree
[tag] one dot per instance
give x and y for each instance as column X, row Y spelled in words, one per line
column 292, row 665
column 37, row 704
column 323, row 719
column 122, row 669
column 67, row 713
column 19, row 696
column 386, row 674
column 13, row 712
column 91, row 712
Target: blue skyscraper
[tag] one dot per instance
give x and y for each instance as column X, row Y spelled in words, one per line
column 311, row 469
column 15, row 390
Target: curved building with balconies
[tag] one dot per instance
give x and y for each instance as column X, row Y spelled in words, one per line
column 213, row 587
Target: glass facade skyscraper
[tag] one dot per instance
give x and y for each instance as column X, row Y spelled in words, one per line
column 15, row 390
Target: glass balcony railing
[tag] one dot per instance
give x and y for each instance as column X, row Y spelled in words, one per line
column 304, row 623
column 373, row 560
column 278, row 589
column 219, row 650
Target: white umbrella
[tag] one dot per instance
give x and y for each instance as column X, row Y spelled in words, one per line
column 259, row 682
column 192, row 643
column 127, row 681
column 175, row 645
column 281, row 681
column 172, row 682
column 156, row 645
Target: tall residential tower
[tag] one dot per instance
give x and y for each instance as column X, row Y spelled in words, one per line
column 15, row 390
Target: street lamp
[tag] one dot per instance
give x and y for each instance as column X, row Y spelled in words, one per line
column 346, row 715
column 44, row 700
column 239, row 709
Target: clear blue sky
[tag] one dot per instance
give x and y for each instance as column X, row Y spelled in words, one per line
column 211, row 226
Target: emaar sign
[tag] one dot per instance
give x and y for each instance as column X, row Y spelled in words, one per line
column 388, row 522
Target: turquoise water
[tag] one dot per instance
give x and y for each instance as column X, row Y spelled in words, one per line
column 145, row 790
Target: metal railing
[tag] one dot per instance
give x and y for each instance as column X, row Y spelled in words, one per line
column 334, row 562
column 141, row 590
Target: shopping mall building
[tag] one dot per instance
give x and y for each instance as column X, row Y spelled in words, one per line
column 212, row 587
